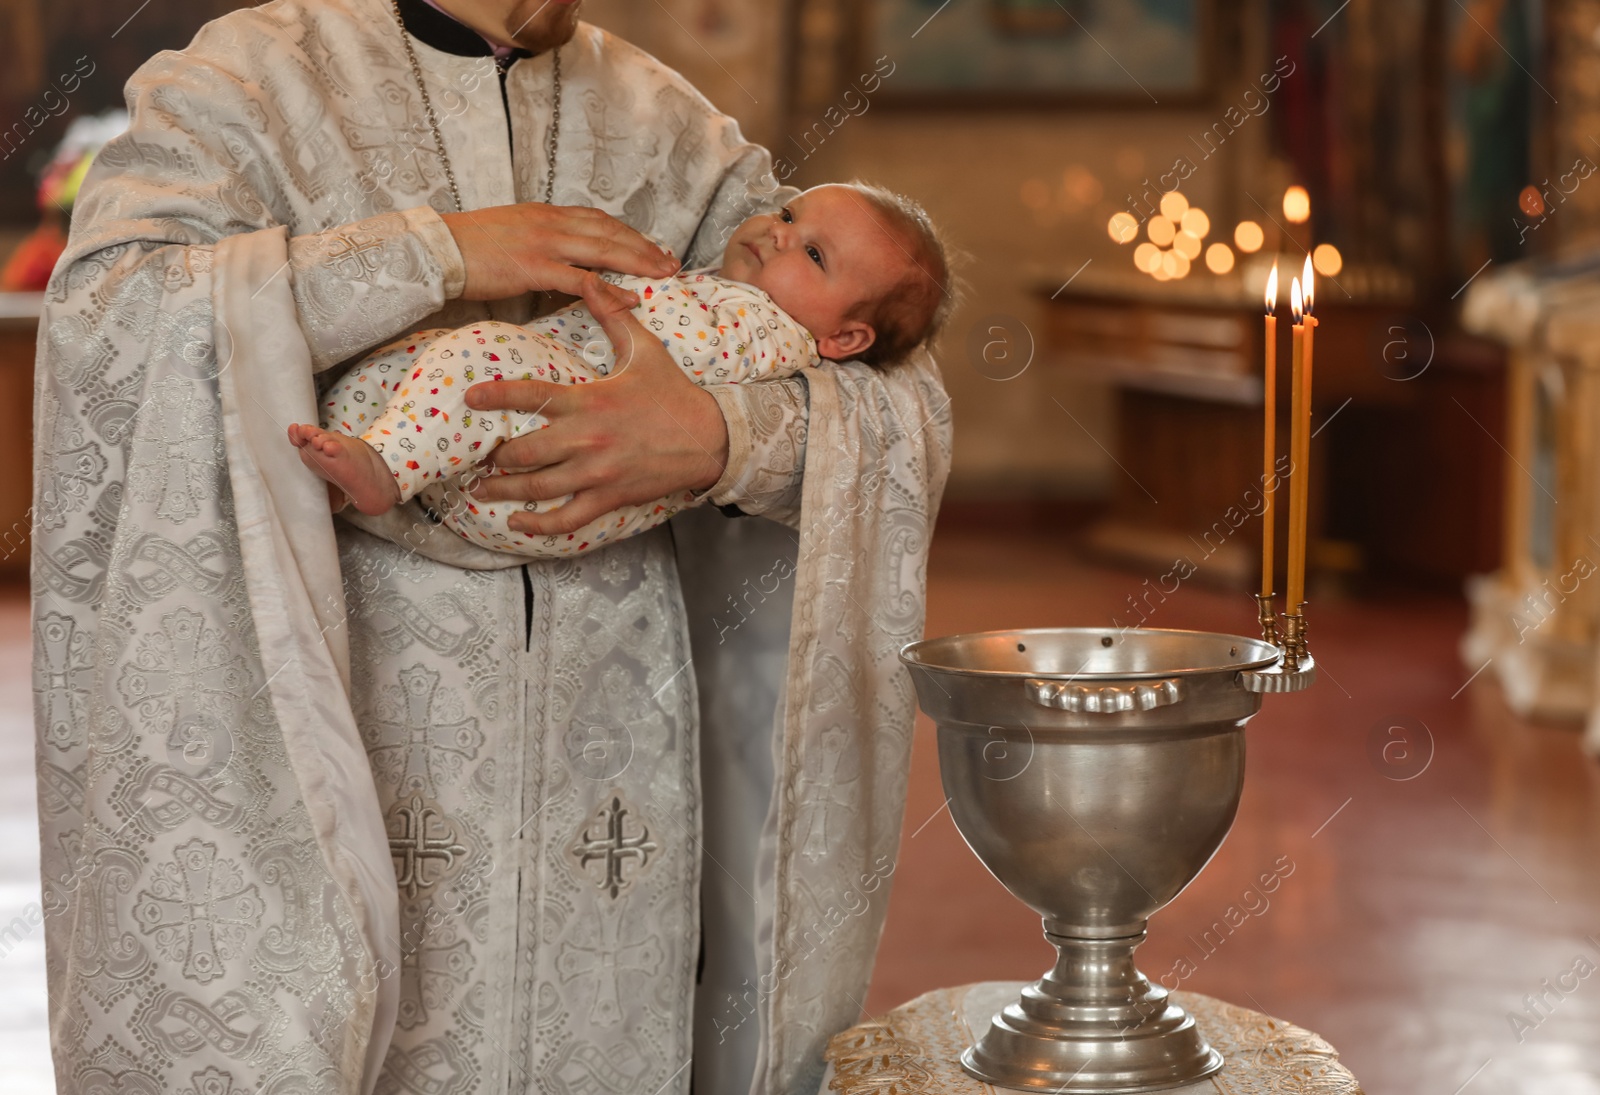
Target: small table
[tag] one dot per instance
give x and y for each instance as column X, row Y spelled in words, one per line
column 916, row 1049
column 1408, row 475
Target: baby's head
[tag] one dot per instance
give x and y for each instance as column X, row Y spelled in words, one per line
column 862, row 269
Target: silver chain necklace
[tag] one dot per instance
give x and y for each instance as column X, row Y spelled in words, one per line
column 552, row 141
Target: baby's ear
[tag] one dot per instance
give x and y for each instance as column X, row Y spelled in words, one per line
column 849, row 341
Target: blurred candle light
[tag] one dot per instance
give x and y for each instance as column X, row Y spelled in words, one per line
column 1160, row 230
column 1196, row 223
column 1219, row 258
column 1174, row 205
column 1326, row 258
column 1296, row 205
column 1080, row 186
column 1147, row 256
column 1248, row 237
column 1123, row 228
column 1187, row 244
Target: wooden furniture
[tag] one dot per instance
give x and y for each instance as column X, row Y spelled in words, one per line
column 1186, row 363
column 19, row 324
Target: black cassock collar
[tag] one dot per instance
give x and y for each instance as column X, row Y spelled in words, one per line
column 428, row 24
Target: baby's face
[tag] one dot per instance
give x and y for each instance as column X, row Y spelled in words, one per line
column 819, row 258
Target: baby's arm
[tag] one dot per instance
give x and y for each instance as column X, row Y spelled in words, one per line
column 718, row 331
column 734, row 335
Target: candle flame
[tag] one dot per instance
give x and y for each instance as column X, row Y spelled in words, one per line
column 1309, row 292
column 1294, row 300
column 1272, row 290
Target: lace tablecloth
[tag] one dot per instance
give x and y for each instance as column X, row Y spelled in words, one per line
column 915, row 1049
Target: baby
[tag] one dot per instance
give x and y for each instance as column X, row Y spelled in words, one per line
column 843, row 272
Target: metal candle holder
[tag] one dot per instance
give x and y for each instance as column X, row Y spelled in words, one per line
column 1095, row 772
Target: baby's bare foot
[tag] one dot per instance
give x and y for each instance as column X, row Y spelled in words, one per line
column 350, row 464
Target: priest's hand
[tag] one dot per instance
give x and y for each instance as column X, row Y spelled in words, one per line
column 644, row 432
column 509, row 250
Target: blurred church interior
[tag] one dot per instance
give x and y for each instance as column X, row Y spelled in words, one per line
column 1121, row 178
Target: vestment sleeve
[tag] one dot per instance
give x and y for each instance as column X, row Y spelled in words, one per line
column 360, row 284
column 766, row 448
column 197, row 165
column 176, row 541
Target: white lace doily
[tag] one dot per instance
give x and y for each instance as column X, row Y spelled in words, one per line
column 915, row 1049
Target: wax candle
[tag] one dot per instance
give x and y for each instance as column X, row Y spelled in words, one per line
column 1297, row 474
column 1269, row 447
column 1304, row 458
column 1300, row 436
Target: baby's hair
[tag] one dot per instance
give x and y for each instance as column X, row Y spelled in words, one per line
column 916, row 309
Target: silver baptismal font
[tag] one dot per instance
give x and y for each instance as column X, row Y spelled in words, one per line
column 1095, row 772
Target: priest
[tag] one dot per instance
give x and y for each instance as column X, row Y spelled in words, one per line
column 345, row 809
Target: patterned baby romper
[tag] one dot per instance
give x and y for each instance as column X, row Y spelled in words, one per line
column 407, row 399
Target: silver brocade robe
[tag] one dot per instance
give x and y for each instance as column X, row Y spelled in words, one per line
column 323, row 810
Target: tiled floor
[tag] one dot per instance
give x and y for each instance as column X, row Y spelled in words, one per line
column 1419, row 913
column 1417, row 916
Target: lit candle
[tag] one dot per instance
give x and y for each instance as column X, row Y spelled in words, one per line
column 1300, row 438
column 1296, row 475
column 1269, row 448
column 1309, row 289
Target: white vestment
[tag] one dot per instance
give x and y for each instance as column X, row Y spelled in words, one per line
column 325, row 809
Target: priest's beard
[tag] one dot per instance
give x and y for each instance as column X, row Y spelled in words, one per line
column 534, row 25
